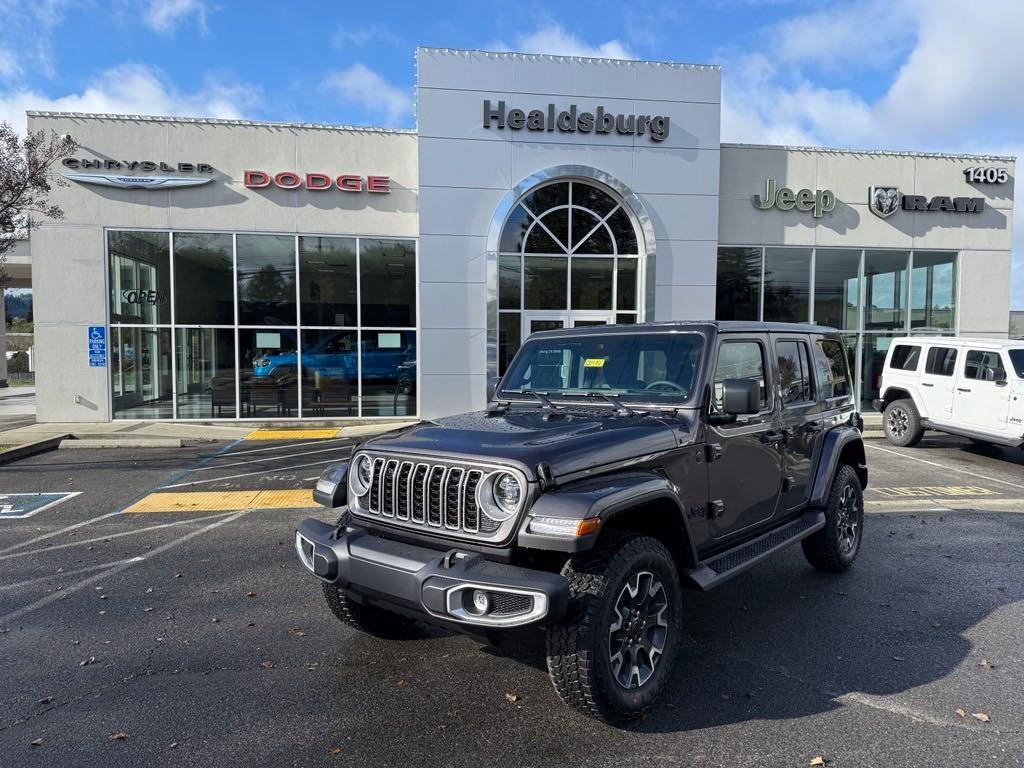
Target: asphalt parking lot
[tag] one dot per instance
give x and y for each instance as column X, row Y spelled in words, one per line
column 194, row 638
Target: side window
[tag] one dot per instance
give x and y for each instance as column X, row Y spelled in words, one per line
column 832, row 369
column 983, row 366
column 905, row 357
column 740, row 360
column 941, row 361
column 794, row 372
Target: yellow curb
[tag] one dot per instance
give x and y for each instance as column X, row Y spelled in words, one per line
column 223, row 501
column 291, row 434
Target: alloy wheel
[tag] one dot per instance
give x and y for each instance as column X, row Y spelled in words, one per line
column 847, row 522
column 638, row 634
column 898, row 422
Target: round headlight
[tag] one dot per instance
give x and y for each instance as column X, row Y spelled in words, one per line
column 507, row 492
column 362, row 475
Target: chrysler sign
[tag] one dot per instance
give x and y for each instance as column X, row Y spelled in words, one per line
column 126, row 177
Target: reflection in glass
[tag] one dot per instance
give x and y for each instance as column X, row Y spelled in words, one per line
column 738, row 288
column 140, row 277
column 389, row 373
column 545, row 282
column 933, row 291
column 837, row 288
column 266, row 279
column 624, row 233
column 627, row 284
column 592, row 283
column 268, row 365
column 140, row 373
column 330, row 373
column 514, row 233
column 547, row 197
column 509, row 332
column 875, row 346
column 509, row 280
column 885, row 278
column 387, row 273
column 327, row 280
column 787, row 285
column 206, row 373
column 204, row 280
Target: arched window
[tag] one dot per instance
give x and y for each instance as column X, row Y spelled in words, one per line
column 568, row 256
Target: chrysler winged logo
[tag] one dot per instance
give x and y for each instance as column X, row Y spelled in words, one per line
column 138, row 182
column 883, row 201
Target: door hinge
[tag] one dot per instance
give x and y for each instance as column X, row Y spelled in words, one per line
column 716, row 508
column 714, row 451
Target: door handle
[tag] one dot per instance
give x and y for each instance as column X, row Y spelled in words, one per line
column 926, row 384
column 961, row 389
column 772, row 437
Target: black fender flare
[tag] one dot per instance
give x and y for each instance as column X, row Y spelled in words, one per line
column 603, row 497
column 835, row 442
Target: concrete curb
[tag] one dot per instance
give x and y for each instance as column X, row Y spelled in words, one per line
column 122, row 442
column 31, row 449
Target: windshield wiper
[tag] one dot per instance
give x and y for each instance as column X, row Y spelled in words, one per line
column 548, row 405
column 621, row 408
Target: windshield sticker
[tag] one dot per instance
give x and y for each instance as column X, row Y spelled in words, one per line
column 594, row 362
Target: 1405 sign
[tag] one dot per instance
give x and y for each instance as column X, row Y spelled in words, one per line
column 980, row 175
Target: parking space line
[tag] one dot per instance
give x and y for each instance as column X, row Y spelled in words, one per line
column 64, row 574
column 291, row 434
column 209, row 467
column 249, row 474
column 59, row 532
column 54, row 596
column 943, row 466
column 209, row 501
column 282, row 447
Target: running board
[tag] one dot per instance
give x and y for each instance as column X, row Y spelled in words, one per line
column 719, row 568
column 1009, row 442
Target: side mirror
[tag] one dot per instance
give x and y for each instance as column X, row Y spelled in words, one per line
column 1000, row 378
column 741, row 396
column 492, row 386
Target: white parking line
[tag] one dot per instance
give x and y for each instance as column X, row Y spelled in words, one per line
column 269, row 458
column 54, row 596
column 943, row 466
column 59, row 532
column 295, row 444
column 276, row 470
column 63, row 574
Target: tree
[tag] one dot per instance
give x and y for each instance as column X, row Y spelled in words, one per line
column 25, row 183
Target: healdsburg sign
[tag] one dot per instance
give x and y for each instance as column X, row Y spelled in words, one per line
column 572, row 120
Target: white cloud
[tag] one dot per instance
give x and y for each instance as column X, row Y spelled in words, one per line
column 28, row 25
column 135, row 89
column 360, row 87
column 8, row 65
column 346, row 36
column 553, row 39
column 164, row 16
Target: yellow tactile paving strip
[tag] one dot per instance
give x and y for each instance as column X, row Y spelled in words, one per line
column 292, row 434
column 222, row 501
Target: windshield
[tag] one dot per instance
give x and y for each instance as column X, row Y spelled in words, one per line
column 641, row 368
column 1017, row 361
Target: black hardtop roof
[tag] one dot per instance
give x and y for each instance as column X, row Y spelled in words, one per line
column 693, row 326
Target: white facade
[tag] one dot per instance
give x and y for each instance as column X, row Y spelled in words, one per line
column 452, row 184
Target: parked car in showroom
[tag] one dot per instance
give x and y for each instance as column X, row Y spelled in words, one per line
column 968, row 387
column 615, row 467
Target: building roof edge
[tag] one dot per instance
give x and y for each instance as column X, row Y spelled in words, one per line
column 561, row 57
column 883, row 152
column 218, row 121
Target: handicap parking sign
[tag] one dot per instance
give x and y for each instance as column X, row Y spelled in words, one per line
column 97, row 346
column 19, row 505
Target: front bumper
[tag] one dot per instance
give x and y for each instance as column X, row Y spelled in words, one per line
column 421, row 580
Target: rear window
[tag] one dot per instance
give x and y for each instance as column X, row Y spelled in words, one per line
column 905, row 357
column 941, row 361
column 832, row 369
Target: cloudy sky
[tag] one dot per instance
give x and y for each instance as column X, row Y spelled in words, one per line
column 936, row 75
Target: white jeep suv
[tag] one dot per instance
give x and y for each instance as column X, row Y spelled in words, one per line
column 968, row 387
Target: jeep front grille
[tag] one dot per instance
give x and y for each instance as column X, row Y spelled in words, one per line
column 426, row 495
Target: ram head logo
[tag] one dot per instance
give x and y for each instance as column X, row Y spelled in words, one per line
column 883, row 201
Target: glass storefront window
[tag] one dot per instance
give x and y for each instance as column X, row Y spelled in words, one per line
column 738, row 287
column 592, row 283
column 874, row 348
column 387, row 275
column 787, row 285
column 388, row 360
column 627, row 272
column 268, row 368
column 837, row 288
column 330, row 373
column 545, row 282
column 204, row 279
column 140, row 277
column 933, row 291
column 206, row 373
column 510, row 270
column 327, row 281
column 266, row 279
column 509, row 338
column 140, row 373
column 885, row 287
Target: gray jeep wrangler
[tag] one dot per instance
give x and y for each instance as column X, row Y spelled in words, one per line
column 614, row 468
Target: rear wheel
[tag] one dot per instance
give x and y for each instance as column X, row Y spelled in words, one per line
column 367, row 618
column 902, row 423
column 835, row 547
column 612, row 654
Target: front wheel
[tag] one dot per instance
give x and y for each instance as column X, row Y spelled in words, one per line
column 835, row 547
column 612, row 654
column 902, row 423
column 367, row 618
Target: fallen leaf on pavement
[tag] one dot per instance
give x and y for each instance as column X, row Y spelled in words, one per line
column 268, row 664
column 816, row 761
column 173, row 745
column 960, row 712
column 36, row 742
column 986, row 664
column 512, row 696
column 334, row 751
column 87, row 662
column 296, row 632
column 898, row 658
column 119, row 736
column 401, row 683
column 980, row 716
column 47, row 700
column 250, row 594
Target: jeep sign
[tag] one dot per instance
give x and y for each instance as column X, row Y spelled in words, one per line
column 785, row 199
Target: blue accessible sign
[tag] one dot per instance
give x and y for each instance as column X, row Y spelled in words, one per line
column 15, row 505
column 97, row 346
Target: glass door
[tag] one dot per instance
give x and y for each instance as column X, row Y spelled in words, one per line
column 543, row 321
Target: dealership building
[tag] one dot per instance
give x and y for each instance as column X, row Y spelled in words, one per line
column 227, row 269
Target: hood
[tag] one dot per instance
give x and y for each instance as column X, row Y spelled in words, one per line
column 574, row 440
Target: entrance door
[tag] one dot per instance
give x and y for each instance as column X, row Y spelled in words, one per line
column 552, row 321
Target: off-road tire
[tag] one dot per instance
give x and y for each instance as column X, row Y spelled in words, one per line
column 824, row 549
column 578, row 653
column 902, row 423
column 367, row 618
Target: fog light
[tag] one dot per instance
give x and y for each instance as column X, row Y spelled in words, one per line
column 481, row 602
